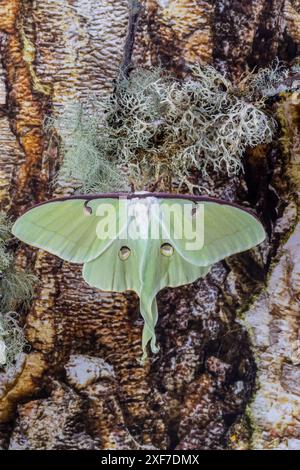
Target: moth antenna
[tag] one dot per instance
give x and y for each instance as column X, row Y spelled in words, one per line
column 87, row 210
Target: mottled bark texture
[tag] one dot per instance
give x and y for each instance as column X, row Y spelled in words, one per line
column 227, row 375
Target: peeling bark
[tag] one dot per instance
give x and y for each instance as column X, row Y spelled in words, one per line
column 200, row 393
column 24, row 107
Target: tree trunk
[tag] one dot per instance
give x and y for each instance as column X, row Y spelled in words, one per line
column 228, row 371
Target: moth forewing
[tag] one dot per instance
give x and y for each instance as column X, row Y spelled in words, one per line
column 193, row 227
column 113, row 219
column 107, row 224
column 138, row 219
column 172, row 220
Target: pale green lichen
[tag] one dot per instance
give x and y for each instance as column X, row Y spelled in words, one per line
column 88, row 155
column 264, row 83
column 273, row 80
column 155, row 129
column 16, row 289
column 12, row 340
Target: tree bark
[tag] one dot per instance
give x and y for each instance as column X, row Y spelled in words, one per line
column 227, row 375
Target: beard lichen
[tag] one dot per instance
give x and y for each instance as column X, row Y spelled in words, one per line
column 157, row 130
column 16, row 289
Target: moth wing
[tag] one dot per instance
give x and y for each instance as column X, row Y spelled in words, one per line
column 226, row 230
column 110, row 272
column 66, row 228
column 146, row 270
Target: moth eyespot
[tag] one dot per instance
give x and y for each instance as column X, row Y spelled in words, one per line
column 124, row 253
column 86, row 209
column 166, row 249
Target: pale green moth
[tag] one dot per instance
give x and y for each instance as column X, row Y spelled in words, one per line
column 137, row 242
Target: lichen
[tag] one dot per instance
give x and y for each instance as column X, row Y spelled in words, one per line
column 12, row 339
column 16, row 289
column 273, row 80
column 88, row 159
column 155, row 130
column 265, row 82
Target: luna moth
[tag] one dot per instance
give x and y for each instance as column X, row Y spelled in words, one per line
column 140, row 242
